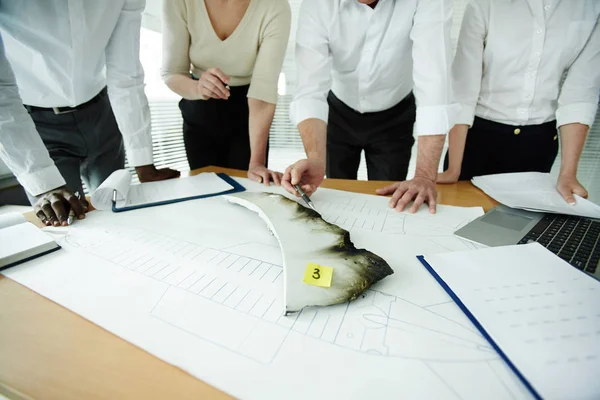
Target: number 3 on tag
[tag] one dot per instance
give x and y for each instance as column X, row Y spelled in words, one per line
column 318, row 275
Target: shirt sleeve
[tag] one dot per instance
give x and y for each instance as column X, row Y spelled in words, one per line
column 21, row 147
column 432, row 58
column 125, row 81
column 275, row 36
column 467, row 68
column 578, row 100
column 313, row 63
column 175, row 39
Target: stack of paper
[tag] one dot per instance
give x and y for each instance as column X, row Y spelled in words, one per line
column 533, row 191
column 537, row 310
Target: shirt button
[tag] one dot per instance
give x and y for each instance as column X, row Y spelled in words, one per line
column 546, row 7
column 521, row 111
column 517, row 131
column 539, row 31
column 537, row 54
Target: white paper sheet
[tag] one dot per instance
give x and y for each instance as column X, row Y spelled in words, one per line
column 533, row 191
column 10, row 219
column 129, row 195
column 542, row 313
column 118, row 181
column 203, row 291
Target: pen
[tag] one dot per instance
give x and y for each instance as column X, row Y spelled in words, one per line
column 305, row 197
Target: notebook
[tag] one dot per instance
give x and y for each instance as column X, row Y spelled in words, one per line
column 22, row 241
column 540, row 314
column 117, row 193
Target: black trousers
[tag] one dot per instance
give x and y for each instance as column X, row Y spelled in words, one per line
column 495, row 148
column 385, row 136
column 84, row 144
column 215, row 132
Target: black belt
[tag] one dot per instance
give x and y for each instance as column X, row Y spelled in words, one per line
column 67, row 110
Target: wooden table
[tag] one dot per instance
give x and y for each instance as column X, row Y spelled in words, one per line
column 49, row 352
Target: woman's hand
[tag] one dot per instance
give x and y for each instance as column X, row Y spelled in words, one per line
column 261, row 174
column 213, row 85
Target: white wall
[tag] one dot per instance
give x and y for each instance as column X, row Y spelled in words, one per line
column 151, row 16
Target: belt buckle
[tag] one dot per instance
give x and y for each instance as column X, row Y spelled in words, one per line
column 58, row 111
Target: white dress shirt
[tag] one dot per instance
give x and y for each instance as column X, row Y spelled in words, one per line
column 21, row 147
column 63, row 52
column 512, row 55
column 373, row 58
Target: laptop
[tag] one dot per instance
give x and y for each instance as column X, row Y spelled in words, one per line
column 574, row 239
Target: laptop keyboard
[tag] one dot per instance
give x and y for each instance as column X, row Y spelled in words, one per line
column 574, row 239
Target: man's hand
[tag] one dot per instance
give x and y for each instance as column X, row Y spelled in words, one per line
column 308, row 174
column 149, row 173
column 422, row 190
column 53, row 207
column 448, row 176
column 568, row 185
column 261, row 174
column 212, row 85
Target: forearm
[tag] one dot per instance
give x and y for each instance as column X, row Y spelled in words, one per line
column 428, row 156
column 184, row 86
column 23, row 151
column 314, row 136
column 456, row 146
column 261, row 117
column 572, row 138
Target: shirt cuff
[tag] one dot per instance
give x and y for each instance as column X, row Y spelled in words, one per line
column 140, row 157
column 465, row 116
column 41, row 181
column 304, row 109
column 435, row 120
column 576, row 113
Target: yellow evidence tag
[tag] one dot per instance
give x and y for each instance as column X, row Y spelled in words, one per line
column 318, row 275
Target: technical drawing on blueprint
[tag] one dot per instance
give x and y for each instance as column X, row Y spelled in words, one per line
column 209, row 299
column 351, row 211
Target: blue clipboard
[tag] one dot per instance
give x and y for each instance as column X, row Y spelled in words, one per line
column 236, row 188
column 479, row 327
